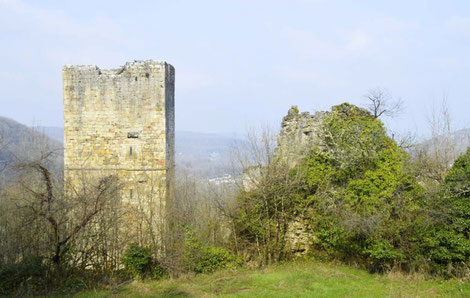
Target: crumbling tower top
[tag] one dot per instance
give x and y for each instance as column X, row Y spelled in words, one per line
column 120, row 121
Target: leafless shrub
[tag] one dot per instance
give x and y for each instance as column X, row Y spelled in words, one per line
column 57, row 220
column 265, row 193
column 435, row 157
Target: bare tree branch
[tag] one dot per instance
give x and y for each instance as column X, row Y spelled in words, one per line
column 381, row 103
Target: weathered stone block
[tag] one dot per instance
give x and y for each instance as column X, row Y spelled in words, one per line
column 111, row 117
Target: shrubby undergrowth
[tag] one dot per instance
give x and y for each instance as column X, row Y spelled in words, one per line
column 205, row 258
column 360, row 201
column 356, row 196
column 140, row 263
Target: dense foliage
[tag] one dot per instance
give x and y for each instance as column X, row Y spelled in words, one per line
column 140, row 262
column 456, row 191
column 358, row 199
column 361, row 197
column 449, row 245
column 204, row 258
column 57, row 242
column 30, row 273
column 355, row 196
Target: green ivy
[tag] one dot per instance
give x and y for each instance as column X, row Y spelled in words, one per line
column 361, row 188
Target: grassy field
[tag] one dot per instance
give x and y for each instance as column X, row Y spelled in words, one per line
column 306, row 279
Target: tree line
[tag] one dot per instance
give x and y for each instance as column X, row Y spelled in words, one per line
column 358, row 196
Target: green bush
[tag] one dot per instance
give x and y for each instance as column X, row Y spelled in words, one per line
column 363, row 196
column 27, row 276
column 368, row 207
column 456, row 191
column 74, row 284
column 382, row 255
column 215, row 258
column 447, row 242
column 362, row 203
column 202, row 258
column 140, row 263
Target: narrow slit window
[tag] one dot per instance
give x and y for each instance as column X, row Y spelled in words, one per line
column 130, row 194
column 130, row 150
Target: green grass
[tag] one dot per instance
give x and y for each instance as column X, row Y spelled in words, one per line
column 305, row 279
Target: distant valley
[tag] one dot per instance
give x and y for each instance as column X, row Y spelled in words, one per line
column 203, row 155
column 199, row 154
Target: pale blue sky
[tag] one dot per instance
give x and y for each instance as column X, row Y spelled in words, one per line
column 241, row 63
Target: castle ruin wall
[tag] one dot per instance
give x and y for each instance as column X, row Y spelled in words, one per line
column 120, row 122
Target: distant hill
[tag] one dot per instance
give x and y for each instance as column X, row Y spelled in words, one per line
column 57, row 133
column 207, row 155
column 459, row 139
column 20, row 143
column 201, row 154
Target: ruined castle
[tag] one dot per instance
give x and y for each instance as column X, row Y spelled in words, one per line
column 299, row 132
column 121, row 122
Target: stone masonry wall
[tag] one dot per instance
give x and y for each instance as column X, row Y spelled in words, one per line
column 121, row 122
column 299, row 132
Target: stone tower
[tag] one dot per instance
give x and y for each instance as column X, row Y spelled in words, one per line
column 299, row 133
column 121, row 122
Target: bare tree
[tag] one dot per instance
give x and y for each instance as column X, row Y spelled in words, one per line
column 406, row 141
column 381, row 103
column 196, row 207
column 435, row 157
column 267, row 187
column 148, row 208
column 55, row 219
